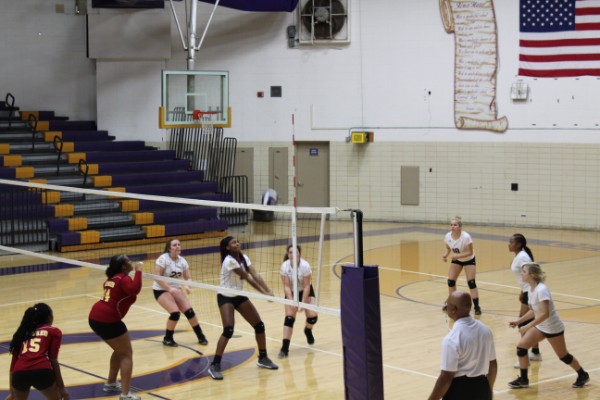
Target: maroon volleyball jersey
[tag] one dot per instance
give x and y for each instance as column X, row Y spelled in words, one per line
column 37, row 351
column 120, row 292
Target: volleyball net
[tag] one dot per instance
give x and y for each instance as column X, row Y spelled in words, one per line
column 44, row 227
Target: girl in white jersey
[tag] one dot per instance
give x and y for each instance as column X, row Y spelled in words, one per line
column 545, row 325
column 518, row 245
column 459, row 248
column 306, row 294
column 170, row 296
column 235, row 269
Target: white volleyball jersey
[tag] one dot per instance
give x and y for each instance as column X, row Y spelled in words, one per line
column 229, row 279
column 304, row 270
column 536, row 296
column 459, row 245
column 171, row 268
column 521, row 258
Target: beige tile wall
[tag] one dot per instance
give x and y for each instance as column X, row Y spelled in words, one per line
column 559, row 184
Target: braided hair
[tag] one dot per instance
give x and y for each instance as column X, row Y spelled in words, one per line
column 34, row 317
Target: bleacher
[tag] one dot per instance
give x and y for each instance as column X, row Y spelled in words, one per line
column 40, row 147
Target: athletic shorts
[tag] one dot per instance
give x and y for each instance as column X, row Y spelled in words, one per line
column 236, row 301
column 551, row 335
column 463, row 263
column 301, row 293
column 157, row 293
column 40, row 379
column 108, row 330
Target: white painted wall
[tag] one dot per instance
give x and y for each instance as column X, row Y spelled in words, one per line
column 395, row 78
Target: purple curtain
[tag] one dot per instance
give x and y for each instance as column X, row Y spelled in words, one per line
column 258, row 5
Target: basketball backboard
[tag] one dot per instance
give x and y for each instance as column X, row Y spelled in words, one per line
column 186, row 92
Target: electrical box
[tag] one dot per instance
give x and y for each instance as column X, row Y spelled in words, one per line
column 361, row 137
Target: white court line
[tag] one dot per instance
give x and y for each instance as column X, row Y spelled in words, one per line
column 487, row 283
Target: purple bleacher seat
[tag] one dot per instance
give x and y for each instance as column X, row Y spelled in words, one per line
column 108, row 168
column 173, row 177
column 133, row 155
column 57, row 225
column 69, row 238
column 62, row 125
column 85, row 136
column 8, row 173
column 121, row 145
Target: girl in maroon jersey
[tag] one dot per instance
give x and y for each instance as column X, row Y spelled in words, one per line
column 106, row 320
column 34, row 348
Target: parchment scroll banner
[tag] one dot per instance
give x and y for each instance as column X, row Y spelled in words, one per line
column 473, row 23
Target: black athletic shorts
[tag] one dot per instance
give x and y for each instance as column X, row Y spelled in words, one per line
column 236, row 301
column 301, row 293
column 157, row 293
column 108, row 330
column 40, row 379
column 463, row 263
column 551, row 335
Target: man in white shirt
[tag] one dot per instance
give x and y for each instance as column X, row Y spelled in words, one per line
column 468, row 368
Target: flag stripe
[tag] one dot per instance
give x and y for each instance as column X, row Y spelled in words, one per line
column 559, row 57
column 545, row 51
column 560, row 42
column 587, row 27
column 587, row 11
column 564, row 73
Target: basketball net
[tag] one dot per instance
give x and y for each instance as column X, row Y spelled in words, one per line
column 205, row 118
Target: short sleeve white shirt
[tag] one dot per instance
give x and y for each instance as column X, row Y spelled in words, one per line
column 304, row 270
column 229, row 279
column 171, row 268
column 521, row 258
column 536, row 296
column 468, row 348
column 459, row 245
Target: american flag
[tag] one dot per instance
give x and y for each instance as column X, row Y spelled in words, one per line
column 559, row 38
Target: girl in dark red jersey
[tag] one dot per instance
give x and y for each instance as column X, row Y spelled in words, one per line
column 34, row 348
column 106, row 320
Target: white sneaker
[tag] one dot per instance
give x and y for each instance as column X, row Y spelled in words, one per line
column 130, row 396
column 535, row 357
column 112, row 387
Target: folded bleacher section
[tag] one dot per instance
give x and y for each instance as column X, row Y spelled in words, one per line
column 41, row 147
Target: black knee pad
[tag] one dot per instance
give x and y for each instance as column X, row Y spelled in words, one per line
column 289, row 321
column 312, row 320
column 259, row 328
column 568, row 359
column 189, row 314
column 174, row 316
column 521, row 352
column 451, row 283
column 227, row 332
column 472, row 284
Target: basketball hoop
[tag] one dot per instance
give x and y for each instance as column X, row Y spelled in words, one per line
column 206, row 118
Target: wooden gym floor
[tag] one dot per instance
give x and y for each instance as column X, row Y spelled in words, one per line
column 413, row 288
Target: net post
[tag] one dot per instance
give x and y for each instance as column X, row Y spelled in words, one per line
column 357, row 218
